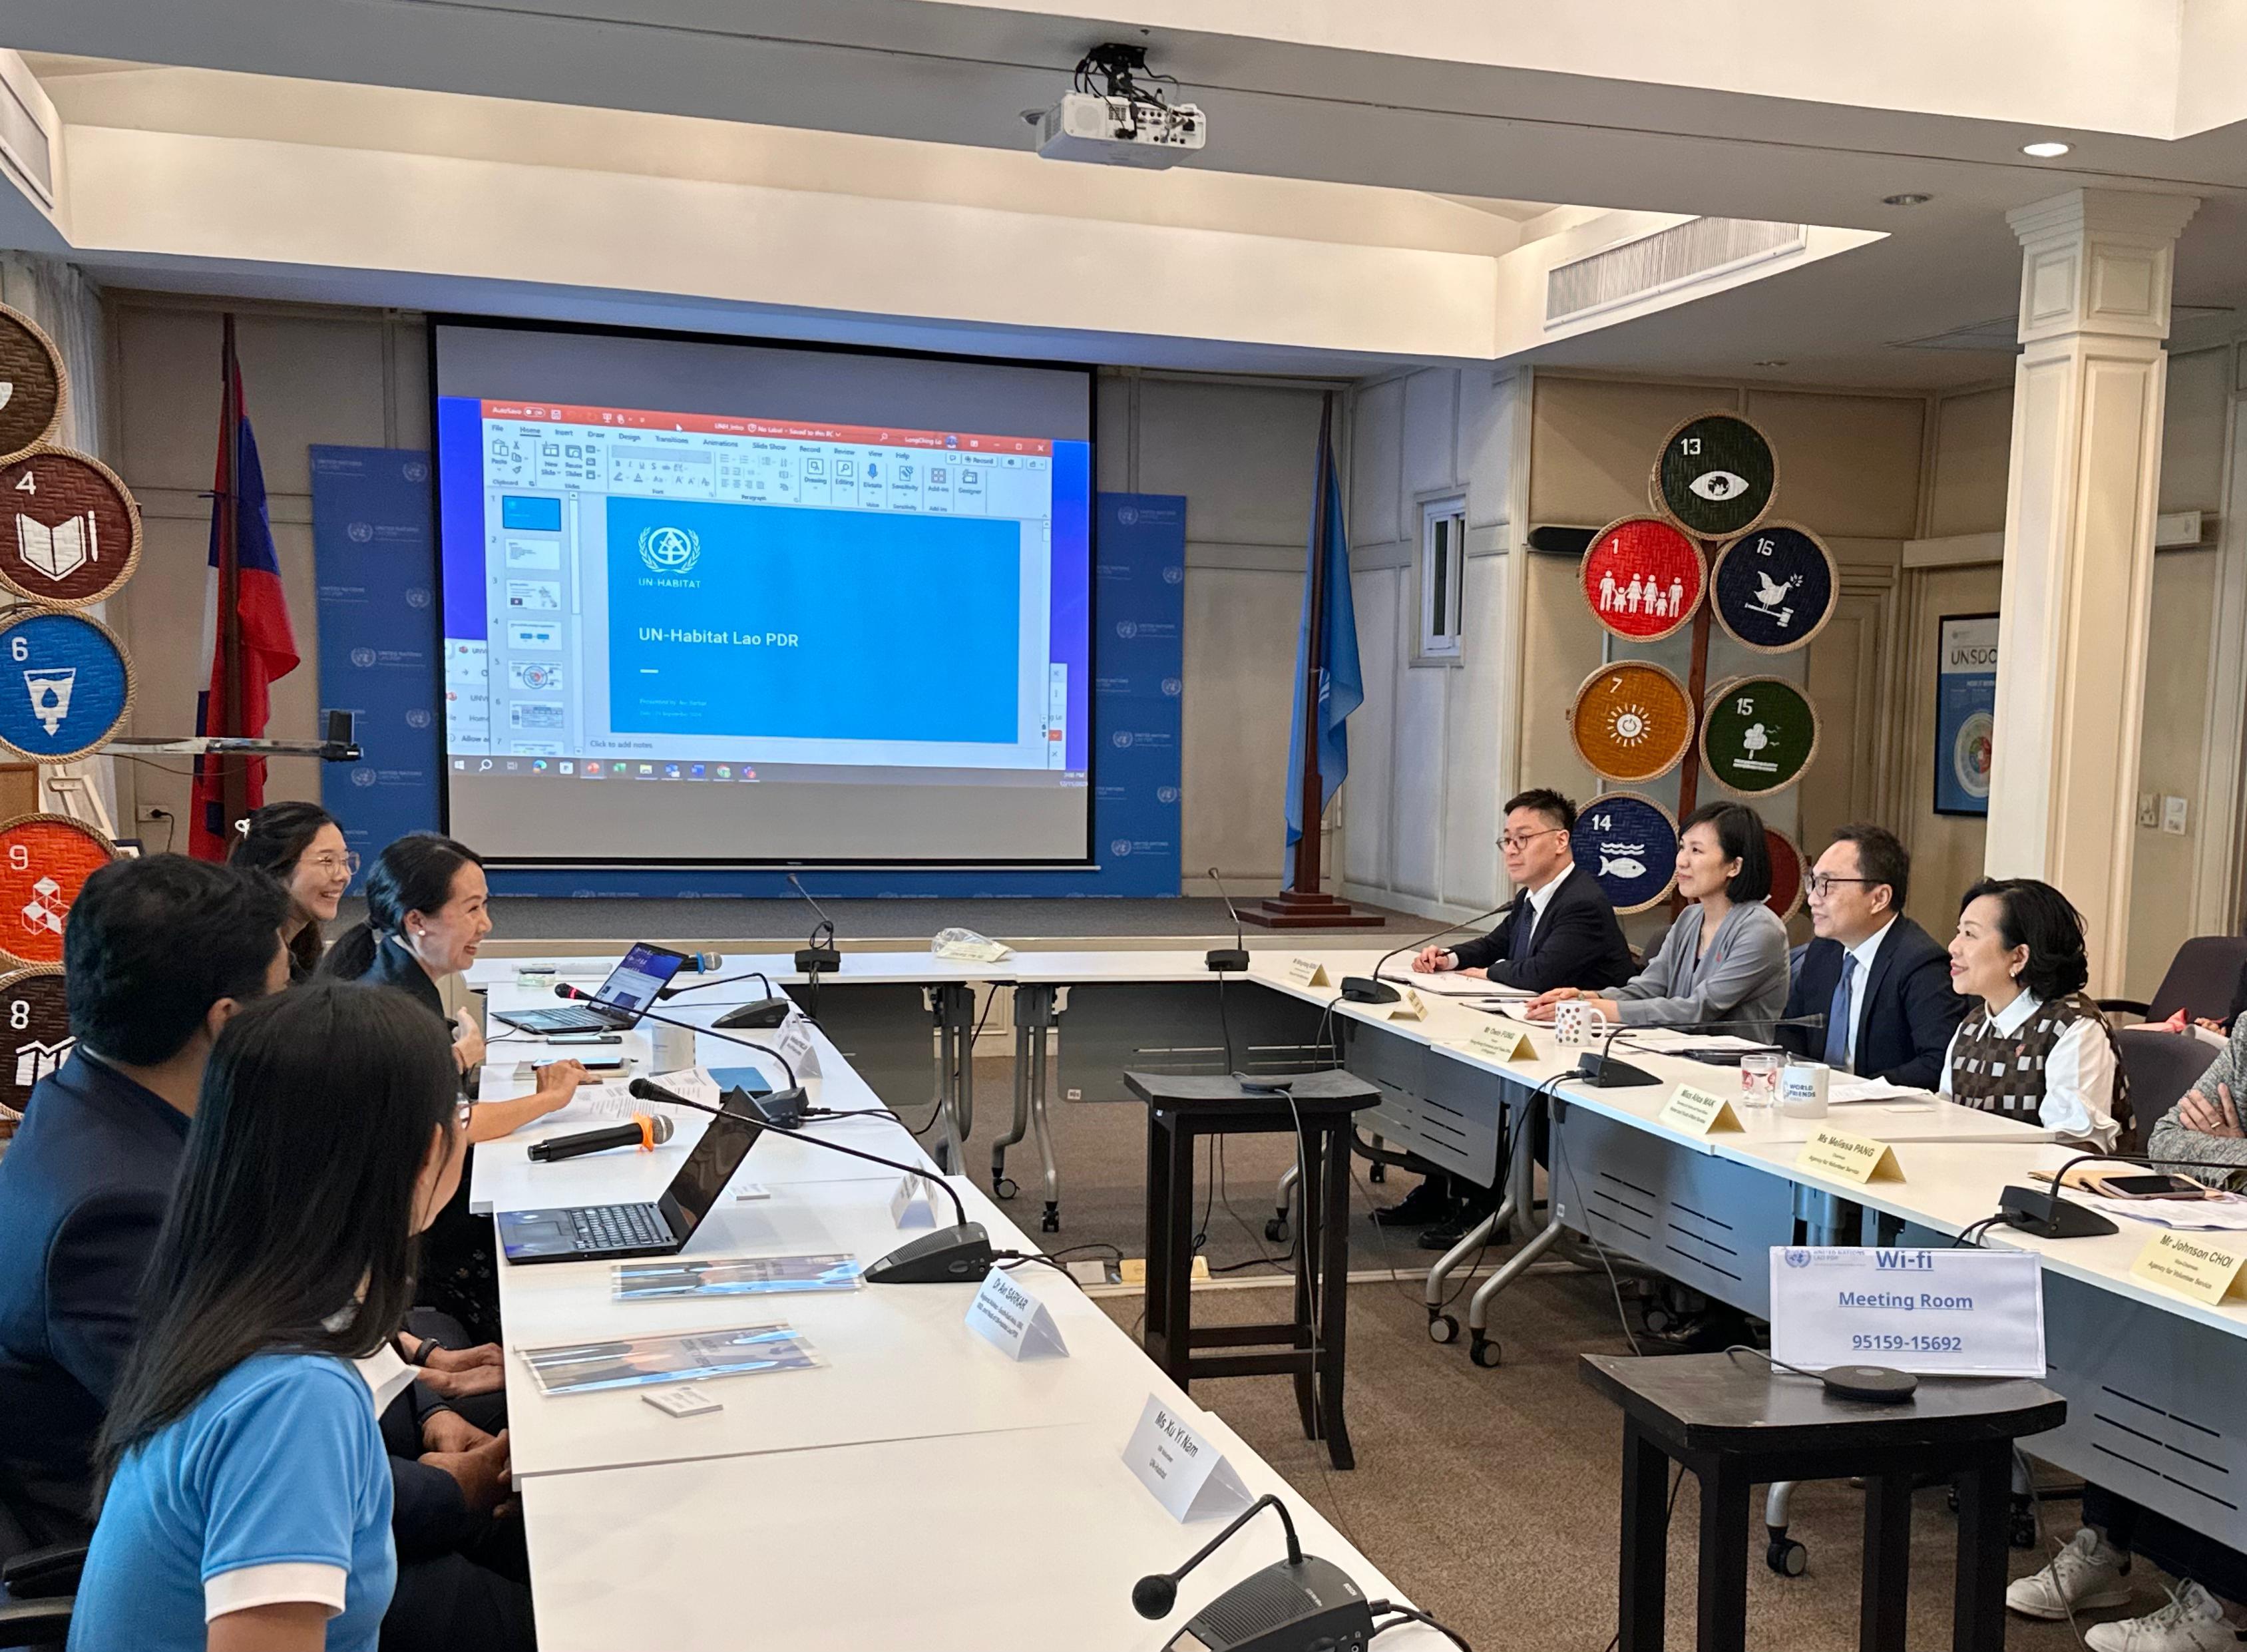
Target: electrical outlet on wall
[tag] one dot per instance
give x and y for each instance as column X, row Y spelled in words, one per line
column 2173, row 816
column 2150, row 812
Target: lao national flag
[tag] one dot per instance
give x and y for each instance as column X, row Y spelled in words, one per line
column 268, row 646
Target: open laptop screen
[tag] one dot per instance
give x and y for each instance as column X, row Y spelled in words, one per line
column 701, row 1180
column 644, row 972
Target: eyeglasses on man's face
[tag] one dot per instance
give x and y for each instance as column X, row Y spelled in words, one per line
column 1513, row 844
column 1822, row 884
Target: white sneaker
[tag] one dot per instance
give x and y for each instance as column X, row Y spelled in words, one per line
column 2084, row 1575
column 2192, row 1621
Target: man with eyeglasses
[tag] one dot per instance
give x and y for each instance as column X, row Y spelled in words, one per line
column 1882, row 982
column 1561, row 930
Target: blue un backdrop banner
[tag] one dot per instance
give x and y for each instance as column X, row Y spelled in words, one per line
column 375, row 557
column 1138, row 663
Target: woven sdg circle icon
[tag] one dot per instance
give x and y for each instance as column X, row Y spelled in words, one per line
column 45, row 861
column 1787, row 873
column 65, row 684
column 70, row 534
column 1757, row 734
column 1642, row 578
column 1632, row 721
column 1772, row 589
column 36, row 1030
column 32, row 384
column 1715, row 475
column 1627, row 845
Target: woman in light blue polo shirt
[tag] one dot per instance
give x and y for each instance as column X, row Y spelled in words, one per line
column 246, row 1491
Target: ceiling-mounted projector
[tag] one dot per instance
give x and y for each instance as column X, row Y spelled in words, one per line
column 1124, row 122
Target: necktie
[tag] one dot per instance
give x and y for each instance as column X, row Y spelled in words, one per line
column 1837, row 1015
column 1524, row 919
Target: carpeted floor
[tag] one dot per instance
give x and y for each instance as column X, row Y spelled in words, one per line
column 1491, row 1496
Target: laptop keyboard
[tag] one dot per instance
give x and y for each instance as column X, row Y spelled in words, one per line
column 573, row 1020
column 608, row 1227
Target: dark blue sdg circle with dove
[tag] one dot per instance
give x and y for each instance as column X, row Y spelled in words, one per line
column 64, row 685
column 1627, row 845
column 1774, row 589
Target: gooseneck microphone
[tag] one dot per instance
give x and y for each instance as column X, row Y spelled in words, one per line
column 1234, row 957
column 961, row 1254
column 1300, row 1603
column 1154, row 1594
column 563, row 989
column 1371, row 989
column 2048, row 1215
column 645, row 1131
column 820, row 953
column 1603, row 1072
column 768, row 1012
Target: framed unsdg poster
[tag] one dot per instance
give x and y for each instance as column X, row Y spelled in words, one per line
column 1965, row 712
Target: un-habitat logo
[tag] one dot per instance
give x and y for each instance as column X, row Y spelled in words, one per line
column 670, row 550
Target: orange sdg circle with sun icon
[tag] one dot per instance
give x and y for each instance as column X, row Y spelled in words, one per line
column 1632, row 721
column 45, row 861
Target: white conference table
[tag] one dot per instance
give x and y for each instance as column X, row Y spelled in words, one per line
column 913, row 1433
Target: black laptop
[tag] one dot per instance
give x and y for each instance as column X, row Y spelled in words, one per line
column 616, row 1007
column 596, row 1232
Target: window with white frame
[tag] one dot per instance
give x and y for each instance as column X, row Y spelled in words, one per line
column 1443, row 574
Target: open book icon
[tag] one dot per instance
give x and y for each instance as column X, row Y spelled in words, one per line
column 60, row 551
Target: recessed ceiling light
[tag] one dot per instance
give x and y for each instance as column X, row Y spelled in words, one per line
column 2048, row 150
column 1774, row 361
column 1906, row 200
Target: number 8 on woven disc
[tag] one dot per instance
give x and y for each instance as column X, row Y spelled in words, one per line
column 36, row 1040
column 65, row 684
column 1757, row 734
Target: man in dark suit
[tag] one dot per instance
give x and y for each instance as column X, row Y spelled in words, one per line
column 1561, row 930
column 158, row 954
column 1882, row 981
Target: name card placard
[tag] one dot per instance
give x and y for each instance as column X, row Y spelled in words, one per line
column 1852, row 1158
column 1008, row 1315
column 1699, row 1112
column 797, row 1046
column 1189, row 1477
column 1410, row 1007
column 914, row 1204
column 2189, row 1265
column 1964, row 1312
column 1497, row 1041
column 1307, row 972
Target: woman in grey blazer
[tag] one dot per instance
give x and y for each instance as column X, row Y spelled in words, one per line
column 1725, row 957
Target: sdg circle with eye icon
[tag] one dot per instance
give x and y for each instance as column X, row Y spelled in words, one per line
column 1716, row 475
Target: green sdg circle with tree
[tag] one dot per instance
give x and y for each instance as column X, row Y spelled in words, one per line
column 1757, row 734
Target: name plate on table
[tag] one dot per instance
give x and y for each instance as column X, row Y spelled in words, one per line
column 1935, row 1312
column 1496, row 1042
column 797, row 1047
column 1307, row 972
column 1852, row 1158
column 914, row 1204
column 1409, row 1006
column 1007, row 1314
column 2191, row 1267
column 1698, row 1112
column 1189, row 1477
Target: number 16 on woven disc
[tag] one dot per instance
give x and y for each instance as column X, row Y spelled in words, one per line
column 65, row 684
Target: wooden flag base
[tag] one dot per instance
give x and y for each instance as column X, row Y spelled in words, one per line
column 1293, row 909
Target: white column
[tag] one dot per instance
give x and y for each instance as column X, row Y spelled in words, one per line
column 2079, row 504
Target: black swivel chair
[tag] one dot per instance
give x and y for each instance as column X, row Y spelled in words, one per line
column 2203, row 980
column 37, row 1584
column 2161, row 1066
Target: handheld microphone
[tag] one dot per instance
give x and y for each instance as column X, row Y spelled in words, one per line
column 769, row 1011
column 1300, row 1602
column 702, row 964
column 563, row 989
column 820, row 953
column 646, row 1132
column 1603, row 1072
column 1371, row 989
column 1236, row 956
column 949, row 1256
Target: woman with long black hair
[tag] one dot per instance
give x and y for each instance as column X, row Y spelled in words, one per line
column 427, row 914
column 299, row 846
column 245, row 1490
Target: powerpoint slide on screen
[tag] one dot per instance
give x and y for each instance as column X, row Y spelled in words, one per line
column 764, row 635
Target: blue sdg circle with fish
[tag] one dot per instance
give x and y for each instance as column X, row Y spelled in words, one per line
column 64, row 684
column 1627, row 845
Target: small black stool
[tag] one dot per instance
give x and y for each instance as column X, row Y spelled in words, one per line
column 1735, row 1424
column 1182, row 1109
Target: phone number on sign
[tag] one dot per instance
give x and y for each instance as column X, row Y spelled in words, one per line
column 1892, row 1342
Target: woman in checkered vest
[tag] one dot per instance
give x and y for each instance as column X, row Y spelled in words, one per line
column 2034, row 1047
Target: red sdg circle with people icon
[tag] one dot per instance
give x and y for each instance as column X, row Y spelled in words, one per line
column 45, row 861
column 1642, row 578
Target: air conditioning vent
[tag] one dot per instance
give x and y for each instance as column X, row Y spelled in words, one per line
column 1678, row 257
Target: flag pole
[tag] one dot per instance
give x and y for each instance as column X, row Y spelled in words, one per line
column 233, row 778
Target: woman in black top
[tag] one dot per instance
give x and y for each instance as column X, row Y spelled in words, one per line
column 426, row 917
column 300, row 847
